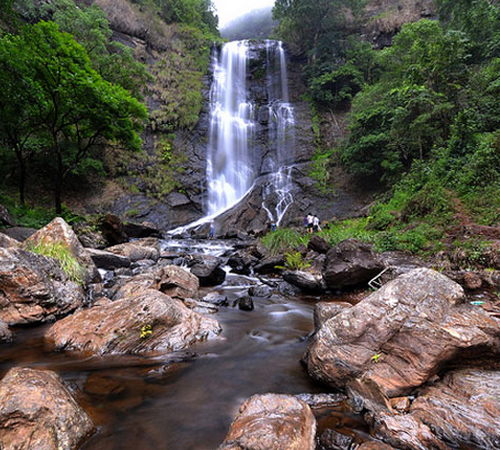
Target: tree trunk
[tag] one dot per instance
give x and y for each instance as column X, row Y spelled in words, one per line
column 58, row 184
column 22, row 176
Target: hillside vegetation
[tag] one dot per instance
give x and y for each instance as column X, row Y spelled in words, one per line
column 423, row 121
column 83, row 81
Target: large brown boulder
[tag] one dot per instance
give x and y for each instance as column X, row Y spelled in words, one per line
column 148, row 322
column 400, row 336
column 34, row 288
column 38, row 412
column 351, row 263
column 272, row 422
column 171, row 280
column 59, row 232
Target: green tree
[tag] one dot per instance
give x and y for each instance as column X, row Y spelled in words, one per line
column 413, row 105
column 77, row 110
column 18, row 97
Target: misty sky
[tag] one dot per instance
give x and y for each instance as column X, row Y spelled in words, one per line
column 228, row 10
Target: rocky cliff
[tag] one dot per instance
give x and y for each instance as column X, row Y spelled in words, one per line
column 172, row 197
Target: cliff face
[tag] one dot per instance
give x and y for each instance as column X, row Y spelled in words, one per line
column 384, row 18
column 161, row 47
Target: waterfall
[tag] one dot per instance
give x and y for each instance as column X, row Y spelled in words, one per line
column 278, row 192
column 229, row 170
column 234, row 161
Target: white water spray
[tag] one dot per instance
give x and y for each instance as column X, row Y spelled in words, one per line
column 229, row 169
column 277, row 195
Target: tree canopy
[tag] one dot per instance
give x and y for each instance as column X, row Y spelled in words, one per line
column 66, row 103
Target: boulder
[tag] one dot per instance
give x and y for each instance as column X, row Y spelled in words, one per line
column 59, row 232
column 333, row 440
column 172, row 280
column 351, row 263
column 8, row 242
column 305, row 281
column 463, row 408
column 245, row 303
column 241, row 262
column 269, row 263
column 324, row 311
column 400, row 336
column 374, row 445
column 208, row 269
column 318, row 244
column 272, row 422
column 34, row 288
column 89, row 236
column 108, row 260
column 143, row 230
column 37, row 411
column 138, row 250
column 112, row 229
column 19, row 233
column 147, row 323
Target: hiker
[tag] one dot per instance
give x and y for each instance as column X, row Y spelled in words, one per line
column 316, row 226
column 310, row 219
column 274, row 227
column 211, row 232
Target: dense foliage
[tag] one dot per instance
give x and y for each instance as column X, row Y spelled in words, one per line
column 72, row 97
column 424, row 118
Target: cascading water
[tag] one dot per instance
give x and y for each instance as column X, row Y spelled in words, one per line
column 278, row 192
column 232, row 166
column 229, row 171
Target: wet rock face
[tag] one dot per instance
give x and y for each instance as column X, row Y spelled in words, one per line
column 148, row 322
column 351, row 263
column 34, row 288
column 38, row 412
column 398, row 337
column 272, row 422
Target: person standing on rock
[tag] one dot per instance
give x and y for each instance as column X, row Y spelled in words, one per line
column 315, row 224
column 310, row 219
column 211, row 232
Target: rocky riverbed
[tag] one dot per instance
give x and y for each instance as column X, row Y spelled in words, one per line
column 164, row 343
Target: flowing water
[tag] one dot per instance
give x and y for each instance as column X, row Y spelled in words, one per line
column 233, row 163
column 156, row 404
column 229, row 168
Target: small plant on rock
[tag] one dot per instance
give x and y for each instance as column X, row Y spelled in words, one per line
column 146, row 331
column 294, row 261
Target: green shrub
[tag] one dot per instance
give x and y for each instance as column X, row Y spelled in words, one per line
column 347, row 229
column 283, row 240
column 294, row 261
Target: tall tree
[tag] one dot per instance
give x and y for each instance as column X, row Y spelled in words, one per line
column 18, row 97
column 77, row 109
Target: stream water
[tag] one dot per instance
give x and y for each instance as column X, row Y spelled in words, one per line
column 145, row 404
